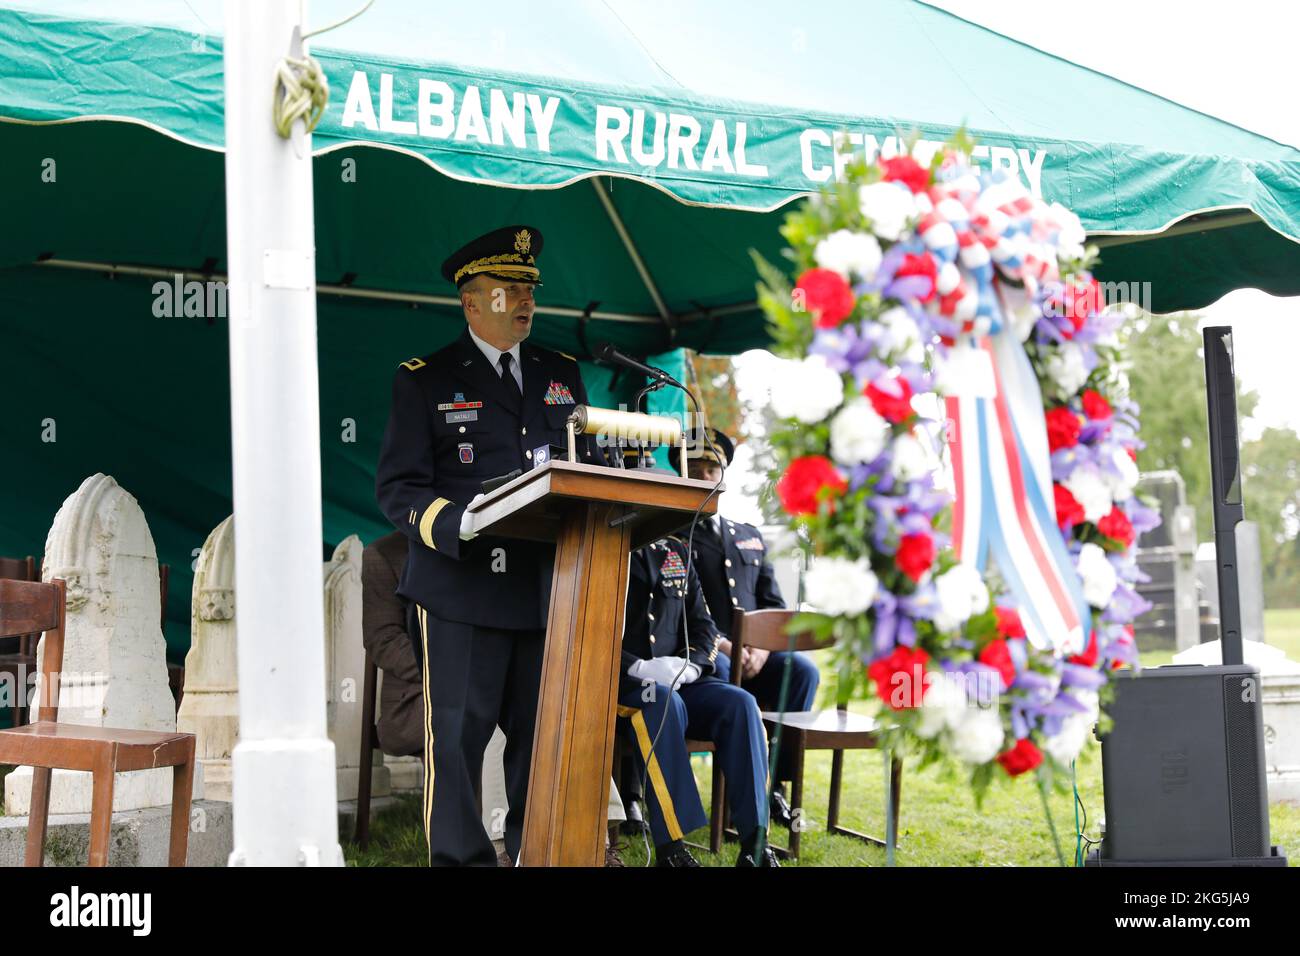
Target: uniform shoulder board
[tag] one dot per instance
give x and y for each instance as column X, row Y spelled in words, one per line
column 565, row 355
column 412, row 365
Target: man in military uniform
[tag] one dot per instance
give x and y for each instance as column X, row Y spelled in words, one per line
column 668, row 692
column 476, row 410
column 734, row 571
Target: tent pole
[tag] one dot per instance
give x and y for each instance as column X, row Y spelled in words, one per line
column 285, row 792
column 646, row 279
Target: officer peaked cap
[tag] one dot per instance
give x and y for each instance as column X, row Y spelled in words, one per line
column 509, row 253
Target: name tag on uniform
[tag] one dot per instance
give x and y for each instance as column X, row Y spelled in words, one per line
column 470, row 416
column 751, row 544
column 452, row 406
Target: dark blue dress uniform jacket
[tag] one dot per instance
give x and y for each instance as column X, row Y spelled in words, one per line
column 735, row 572
column 661, row 600
column 435, row 458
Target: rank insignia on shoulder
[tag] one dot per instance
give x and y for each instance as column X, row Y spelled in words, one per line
column 558, row 394
column 466, row 450
column 412, row 365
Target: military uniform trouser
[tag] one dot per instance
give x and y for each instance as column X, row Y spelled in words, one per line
column 766, row 688
column 475, row 679
column 708, row 709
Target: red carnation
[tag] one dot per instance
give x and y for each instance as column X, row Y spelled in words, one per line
column 1062, row 429
column 1095, row 405
column 919, row 265
column 900, row 677
column 997, row 655
column 1081, row 301
column 1009, row 623
column 1024, row 756
column 915, row 554
column 805, row 477
column 1116, row 525
column 1089, row 656
column 906, row 170
column 1068, row 510
column 827, row 296
column 892, row 408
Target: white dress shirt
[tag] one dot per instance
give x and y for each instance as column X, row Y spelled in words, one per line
column 493, row 355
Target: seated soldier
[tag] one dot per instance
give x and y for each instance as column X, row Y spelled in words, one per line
column 731, row 558
column 669, row 641
column 384, row 630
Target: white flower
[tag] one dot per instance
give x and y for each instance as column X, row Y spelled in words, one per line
column 1097, row 573
column 1021, row 309
column 1121, row 486
column 808, row 390
column 978, row 739
column 888, row 206
column 840, row 586
column 1091, row 490
column 849, row 253
column 902, row 338
column 910, row 459
column 1069, row 740
column 943, row 706
column 858, row 434
column 1066, row 367
column 1070, row 236
column 961, row 593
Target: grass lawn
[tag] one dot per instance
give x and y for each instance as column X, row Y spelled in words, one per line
column 938, row 826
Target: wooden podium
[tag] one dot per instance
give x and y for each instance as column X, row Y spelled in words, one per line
column 595, row 516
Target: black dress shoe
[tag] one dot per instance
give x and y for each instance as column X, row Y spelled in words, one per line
column 635, row 824
column 677, row 857
column 780, row 810
column 768, row 858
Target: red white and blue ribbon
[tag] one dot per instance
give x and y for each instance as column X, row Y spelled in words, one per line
column 1004, row 506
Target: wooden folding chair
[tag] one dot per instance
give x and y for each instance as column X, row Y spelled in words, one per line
column 31, row 607
column 835, row 730
column 20, row 659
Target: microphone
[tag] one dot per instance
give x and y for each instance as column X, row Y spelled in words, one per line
column 606, row 352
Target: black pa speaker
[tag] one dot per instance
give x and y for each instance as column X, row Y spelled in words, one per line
column 1183, row 769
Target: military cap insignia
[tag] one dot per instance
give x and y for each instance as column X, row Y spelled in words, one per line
column 523, row 241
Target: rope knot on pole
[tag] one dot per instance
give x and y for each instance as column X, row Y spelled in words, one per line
column 301, row 92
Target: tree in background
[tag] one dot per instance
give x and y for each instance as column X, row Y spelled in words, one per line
column 1271, row 468
column 716, row 382
column 1166, row 373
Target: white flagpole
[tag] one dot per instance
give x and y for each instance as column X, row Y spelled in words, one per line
column 285, row 797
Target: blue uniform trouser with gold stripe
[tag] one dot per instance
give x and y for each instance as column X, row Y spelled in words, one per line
column 766, row 688
column 475, row 679
column 674, row 801
column 708, row 709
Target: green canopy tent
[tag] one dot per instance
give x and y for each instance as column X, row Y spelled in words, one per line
column 653, row 144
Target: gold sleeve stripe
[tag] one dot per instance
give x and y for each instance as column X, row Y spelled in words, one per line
column 427, row 519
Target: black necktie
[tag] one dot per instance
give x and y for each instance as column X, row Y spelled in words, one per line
column 508, row 377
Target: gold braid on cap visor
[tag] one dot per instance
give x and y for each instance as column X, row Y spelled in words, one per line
column 509, row 264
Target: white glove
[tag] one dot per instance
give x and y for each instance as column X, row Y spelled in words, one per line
column 670, row 671
column 466, row 518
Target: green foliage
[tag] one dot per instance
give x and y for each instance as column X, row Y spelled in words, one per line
column 1271, row 489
